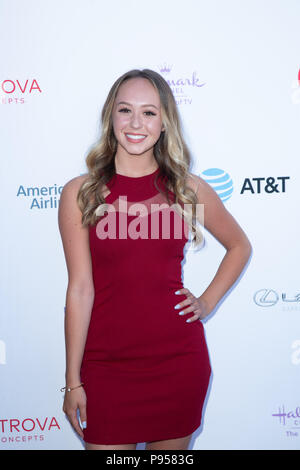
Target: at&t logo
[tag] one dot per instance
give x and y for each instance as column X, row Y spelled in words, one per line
column 220, row 181
column 267, row 185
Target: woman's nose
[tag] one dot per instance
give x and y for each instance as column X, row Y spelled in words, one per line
column 136, row 120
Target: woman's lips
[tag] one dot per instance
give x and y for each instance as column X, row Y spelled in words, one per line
column 135, row 138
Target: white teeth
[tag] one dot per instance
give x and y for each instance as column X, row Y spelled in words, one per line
column 136, row 137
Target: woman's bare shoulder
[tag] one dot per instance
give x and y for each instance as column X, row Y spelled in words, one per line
column 200, row 186
column 75, row 236
column 196, row 183
column 76, row 181
column 74, row 184
column 192, row 181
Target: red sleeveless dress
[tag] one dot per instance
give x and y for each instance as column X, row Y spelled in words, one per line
column 145, row 369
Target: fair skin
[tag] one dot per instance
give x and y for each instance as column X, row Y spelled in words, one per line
column 136, row 159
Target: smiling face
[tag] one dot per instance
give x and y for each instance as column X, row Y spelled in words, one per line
column 136, row 117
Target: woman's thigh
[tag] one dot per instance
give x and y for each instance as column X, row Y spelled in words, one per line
column 110, row 446
column 181, row 443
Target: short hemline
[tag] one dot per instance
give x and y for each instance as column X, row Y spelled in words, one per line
column 149, row 438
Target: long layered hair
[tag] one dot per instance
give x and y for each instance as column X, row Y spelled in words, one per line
column 170, row 151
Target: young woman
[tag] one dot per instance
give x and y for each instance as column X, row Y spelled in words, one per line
column 137, row 365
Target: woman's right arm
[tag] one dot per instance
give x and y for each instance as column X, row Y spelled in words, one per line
column 79, row 295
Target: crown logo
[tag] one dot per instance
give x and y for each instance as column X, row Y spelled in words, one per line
column 165, row 68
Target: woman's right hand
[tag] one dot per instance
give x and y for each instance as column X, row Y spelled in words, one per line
column 74, row 400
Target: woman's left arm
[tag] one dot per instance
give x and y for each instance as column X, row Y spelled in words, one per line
column 222, row 225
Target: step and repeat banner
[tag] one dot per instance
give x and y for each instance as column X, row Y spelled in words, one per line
column 234, row 69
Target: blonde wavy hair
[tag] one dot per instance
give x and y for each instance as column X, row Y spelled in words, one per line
column 170, row 151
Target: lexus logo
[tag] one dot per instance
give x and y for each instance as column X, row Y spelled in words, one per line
column 265, row 297
column 268, row 298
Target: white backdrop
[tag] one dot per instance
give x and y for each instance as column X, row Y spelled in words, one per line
column 234, row 70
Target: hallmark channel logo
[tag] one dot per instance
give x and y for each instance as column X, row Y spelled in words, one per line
column 289, row 419
column 17, row 91
column 181, row 84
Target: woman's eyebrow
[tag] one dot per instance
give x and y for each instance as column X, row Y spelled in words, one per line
column 143, row 105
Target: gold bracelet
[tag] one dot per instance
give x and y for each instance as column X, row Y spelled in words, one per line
column 68, row 389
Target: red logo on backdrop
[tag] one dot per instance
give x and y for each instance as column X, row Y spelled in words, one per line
column 26, row 429
column 13, row 91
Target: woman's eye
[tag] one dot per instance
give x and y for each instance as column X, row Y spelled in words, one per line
column 126, row 109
